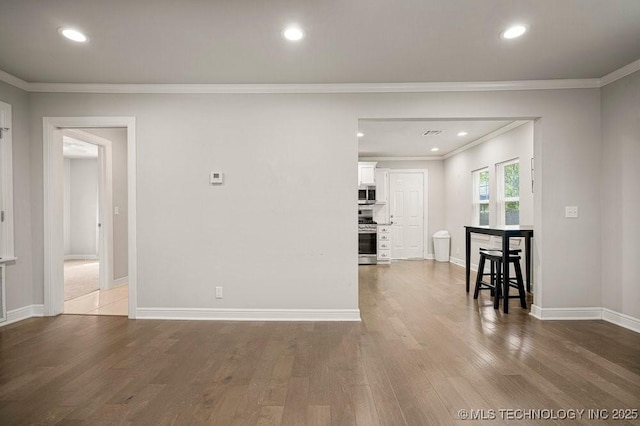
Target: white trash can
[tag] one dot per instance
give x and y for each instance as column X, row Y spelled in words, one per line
column 441, row 241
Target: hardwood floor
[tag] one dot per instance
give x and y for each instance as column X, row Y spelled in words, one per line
column 424, row 350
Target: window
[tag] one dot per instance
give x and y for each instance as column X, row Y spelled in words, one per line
column 481, row 197
column 509, row 192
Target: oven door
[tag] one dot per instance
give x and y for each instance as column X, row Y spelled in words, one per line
column 367, row 247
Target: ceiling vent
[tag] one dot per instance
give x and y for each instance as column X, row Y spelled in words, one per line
column 432, row 133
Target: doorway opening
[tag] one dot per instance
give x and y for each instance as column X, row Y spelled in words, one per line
column 443, row 174
column 89, row 182
column 95, row 283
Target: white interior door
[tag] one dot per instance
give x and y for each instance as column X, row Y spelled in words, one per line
column 407, row 215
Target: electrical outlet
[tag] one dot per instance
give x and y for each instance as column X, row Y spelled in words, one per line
column 571, row 212
column 218, row 292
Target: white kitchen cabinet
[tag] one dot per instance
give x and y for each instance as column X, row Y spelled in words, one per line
column 382, row 186
column 384, row 244
column 366, row 173
column 381, row 208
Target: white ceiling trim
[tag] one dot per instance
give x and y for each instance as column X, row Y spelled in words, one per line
column 316, row 88
column 479, row 86
column 14, row 81
column 620, row 73
column 401, row 158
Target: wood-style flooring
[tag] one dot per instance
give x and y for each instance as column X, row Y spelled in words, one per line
column 424, row 350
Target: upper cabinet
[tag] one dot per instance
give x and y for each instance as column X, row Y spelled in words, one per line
column 366, row 173
column 382, row 186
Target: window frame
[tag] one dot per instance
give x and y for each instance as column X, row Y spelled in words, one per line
column 475, row 190
column 502, row 200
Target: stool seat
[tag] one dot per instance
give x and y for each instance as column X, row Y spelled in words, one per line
column 498, row 253
column 512, row 251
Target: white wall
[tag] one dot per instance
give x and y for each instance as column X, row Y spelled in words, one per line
column 621, row 196
column 19, row 275
column 516, row 143
column 275, row 151
column 118, row 138
column 435, row 194
column 83, row 206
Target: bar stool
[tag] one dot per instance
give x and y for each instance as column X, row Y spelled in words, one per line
column 480, row 283
column 497, row 287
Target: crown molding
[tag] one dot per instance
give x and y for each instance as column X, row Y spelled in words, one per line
column 316, row 88
column 471, row 86
column 14, row 81
column 434, row 158
column 620, row 73
column 479, row 86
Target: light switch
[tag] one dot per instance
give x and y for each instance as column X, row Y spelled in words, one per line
column 116, row 210
column 571, row 212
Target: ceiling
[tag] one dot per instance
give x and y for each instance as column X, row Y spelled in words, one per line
column 355, row 41
column 404, row 138
column 74, row 148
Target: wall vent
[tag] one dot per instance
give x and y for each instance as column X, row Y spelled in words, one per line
column 432, row 133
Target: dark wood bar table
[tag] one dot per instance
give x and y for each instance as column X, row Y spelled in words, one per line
column 506, row 232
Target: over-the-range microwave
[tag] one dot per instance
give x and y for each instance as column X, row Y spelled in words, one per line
column 366, row 194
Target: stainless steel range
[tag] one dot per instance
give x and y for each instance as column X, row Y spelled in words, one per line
column 367, row 238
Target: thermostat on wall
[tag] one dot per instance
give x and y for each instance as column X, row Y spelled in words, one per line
column 216, row 178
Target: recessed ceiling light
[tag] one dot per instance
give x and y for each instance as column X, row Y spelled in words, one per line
column 293, row 33
column 514, row 32
column 74, row 35
column 359, row 134
column 462, row 133
column 435, row 149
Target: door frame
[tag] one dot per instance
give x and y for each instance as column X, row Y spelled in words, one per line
column 7, row 248
column 53, row 205
column 105, row 202
column 425, row 206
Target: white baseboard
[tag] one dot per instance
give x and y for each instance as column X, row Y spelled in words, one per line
column 461, row 262
column 623, row 320
column 456, row 261
column 120, row 281
column 80, row 257
column 249, row 314
column 430, row 257
column 23, row 313
column 595, row 313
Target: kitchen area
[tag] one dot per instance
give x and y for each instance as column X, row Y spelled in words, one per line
column 374, row 221
column 420, row 180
